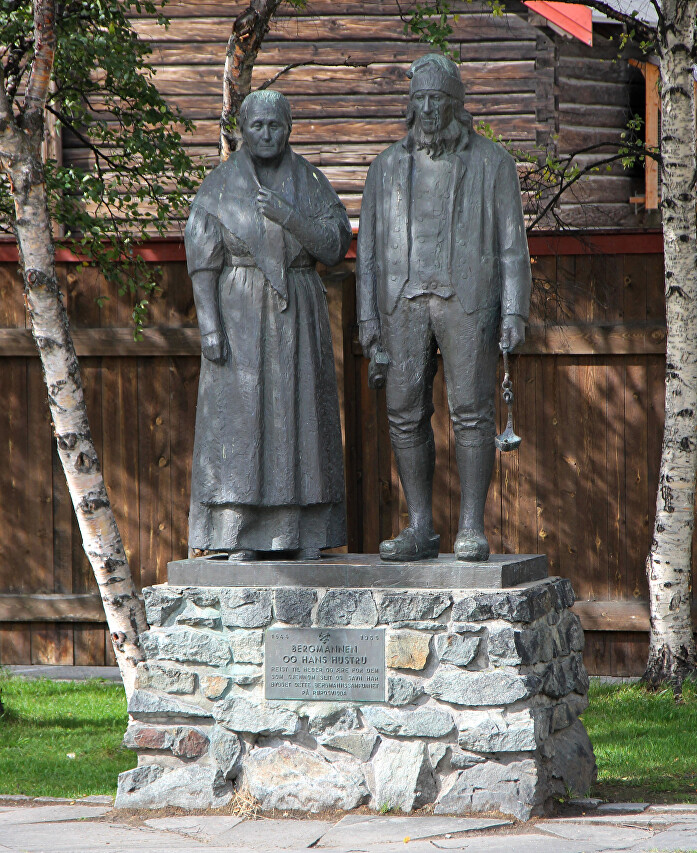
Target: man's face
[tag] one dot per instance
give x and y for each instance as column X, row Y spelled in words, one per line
column 433, row 110
column 264, row 131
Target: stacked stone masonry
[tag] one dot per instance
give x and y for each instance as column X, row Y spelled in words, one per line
column 483, row 695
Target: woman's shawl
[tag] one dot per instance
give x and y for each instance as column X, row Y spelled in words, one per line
column 229, row 194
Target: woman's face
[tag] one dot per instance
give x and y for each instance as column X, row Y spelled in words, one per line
column 264, row 131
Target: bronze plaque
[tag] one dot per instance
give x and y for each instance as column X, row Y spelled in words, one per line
column 325, row 664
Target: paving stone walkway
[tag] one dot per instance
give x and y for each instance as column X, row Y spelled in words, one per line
column 92, row 826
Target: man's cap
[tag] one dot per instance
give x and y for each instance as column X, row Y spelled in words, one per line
column 436, row 72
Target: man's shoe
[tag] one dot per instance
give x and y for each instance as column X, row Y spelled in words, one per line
column 471, row 545
column 410, row 546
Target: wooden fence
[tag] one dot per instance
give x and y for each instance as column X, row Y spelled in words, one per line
column 589, row 402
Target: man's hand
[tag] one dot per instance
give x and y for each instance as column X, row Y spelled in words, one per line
column 273, row 206
column 369, row 336
column 512, row 331
column 214, row 347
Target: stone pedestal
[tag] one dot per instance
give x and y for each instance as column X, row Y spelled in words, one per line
column 483, row 689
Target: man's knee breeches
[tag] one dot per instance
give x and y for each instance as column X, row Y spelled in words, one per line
column 410, row 423
column 468, row 344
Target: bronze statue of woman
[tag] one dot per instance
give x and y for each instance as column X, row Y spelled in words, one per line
column 267, row 470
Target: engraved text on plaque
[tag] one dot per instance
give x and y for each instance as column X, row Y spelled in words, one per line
column 325, row 664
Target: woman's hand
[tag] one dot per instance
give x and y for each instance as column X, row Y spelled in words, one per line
column 274, row 206
column 214, row 347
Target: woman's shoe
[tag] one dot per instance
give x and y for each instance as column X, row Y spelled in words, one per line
column 242, row 555
column 308, row 554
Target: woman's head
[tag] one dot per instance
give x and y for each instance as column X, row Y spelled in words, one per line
column 265, row 122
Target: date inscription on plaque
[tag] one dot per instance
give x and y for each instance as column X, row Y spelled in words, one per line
column 325, row 664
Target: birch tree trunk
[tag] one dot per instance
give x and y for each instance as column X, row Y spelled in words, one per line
column 247, row 36
column 21, row 160
column 672, row 647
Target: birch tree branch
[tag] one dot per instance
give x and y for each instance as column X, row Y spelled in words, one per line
column 41, row 67
column 291, row 65
column 247, row 36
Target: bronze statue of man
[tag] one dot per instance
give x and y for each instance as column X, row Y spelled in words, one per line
column 443, row 264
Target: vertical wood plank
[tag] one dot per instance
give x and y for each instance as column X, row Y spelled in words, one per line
column 38, row 566
column 543, row 311
column 543, row 302
column 12, row 311
column 655, row 289
column 120, row 452
column 14, row 540
column 88, row 643
column 529, row 370
column 569, row 405
column 636, row 427
column 592, row 535
column 15, row 643
column 16, row 424
column 180, row 296
column 636, row 475
column 115, row 309
column 628, row 653
column 184, row 375
column 616, row 482
column 596, row 654
column 155, row 469
column 547, row 472
column 82, row 287
column 52, row 644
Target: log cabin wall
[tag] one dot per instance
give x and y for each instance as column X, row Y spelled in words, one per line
column 535, row 89
column 581, row 489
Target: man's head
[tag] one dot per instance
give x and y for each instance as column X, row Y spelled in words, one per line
column 265, row 122
column 436, row 94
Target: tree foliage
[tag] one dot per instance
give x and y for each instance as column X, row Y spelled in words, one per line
column 139, row 177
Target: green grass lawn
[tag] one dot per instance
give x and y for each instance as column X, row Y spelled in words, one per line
column 45, row 722
column 645, row 744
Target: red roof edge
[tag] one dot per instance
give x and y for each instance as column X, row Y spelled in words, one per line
column 574, row 18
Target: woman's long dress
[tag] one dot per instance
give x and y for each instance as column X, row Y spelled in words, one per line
column 268, row 462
